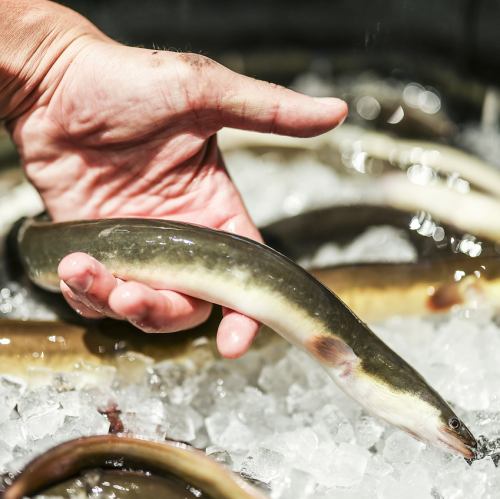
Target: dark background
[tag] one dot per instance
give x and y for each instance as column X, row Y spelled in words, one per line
column 277, row 38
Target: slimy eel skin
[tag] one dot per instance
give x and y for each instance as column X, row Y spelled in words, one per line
column 255, row 280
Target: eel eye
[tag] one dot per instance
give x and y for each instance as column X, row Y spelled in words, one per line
column 454, row 423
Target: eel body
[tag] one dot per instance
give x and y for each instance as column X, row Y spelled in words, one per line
column 376, row 291
column 29, row 348
column 301, row 235
column 163, row 459
column 253, row 279
column 339, row 147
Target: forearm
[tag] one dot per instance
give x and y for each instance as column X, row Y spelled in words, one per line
column 33, row 36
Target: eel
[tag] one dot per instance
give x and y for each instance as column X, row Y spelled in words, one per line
column 376, row 291
column 257, row 281
column 380, row 152
column 472, row 212
column 111, row 452
column 29, row 347
column 300, row 236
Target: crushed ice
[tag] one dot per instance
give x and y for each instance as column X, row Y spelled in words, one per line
column 16, row 303
column 276, row 418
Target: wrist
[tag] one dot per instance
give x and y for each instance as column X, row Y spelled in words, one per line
column 39, row 39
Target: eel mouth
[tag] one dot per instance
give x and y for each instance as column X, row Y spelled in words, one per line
column 463, row 444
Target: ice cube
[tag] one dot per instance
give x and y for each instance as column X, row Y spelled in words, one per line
column 331, row 423
column 169, row 376
column 133, row 367
column 368, row 431
column 349, row 465
column 249, row 365
column 226, row 431
column 390, row 488
column 88, row 375
column 44, row 400
column 417, row 480
column 218, row 454
column 277, row 378
column 262, row 464
column 90, row 422
column 5, row 456
column 13, row 433
column 11, row 390
column 140, row 425
column 256, row 409
column 378, row 467
column 47, row 423
column 304, row 400
column 301, row 445
column 73, row 403
column 181, row 423
column 401, row 448
column 219, row 384
column 295, row 484
column 459, row 480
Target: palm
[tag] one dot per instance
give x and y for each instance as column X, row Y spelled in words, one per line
column 118, row 131
column 126, row 154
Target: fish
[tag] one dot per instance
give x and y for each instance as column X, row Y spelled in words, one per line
column 477, row 213
column 374, row 291
column 380, row 152
column 175, row 461
column 257, row 281
column 28, row 348
column 377, row 291
column 300, row 236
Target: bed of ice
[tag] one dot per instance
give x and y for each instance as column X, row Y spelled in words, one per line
column 274, row 416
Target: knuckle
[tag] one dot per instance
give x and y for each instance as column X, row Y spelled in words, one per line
column 196, row 62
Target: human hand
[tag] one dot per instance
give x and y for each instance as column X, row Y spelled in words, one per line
column 117, row 131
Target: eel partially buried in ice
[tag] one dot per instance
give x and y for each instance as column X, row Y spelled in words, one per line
column 255, row 280
column 155, row 470
column 377, row 291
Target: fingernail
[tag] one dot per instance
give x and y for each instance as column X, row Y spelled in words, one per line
column 80, row 284
column 331, row 100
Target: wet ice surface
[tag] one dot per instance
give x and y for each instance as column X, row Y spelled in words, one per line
column 376, row 244
column 16, row 201
column 273, row 191
column 275, row 417
column 16, row 303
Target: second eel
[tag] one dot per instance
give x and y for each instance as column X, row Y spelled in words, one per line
column 253, row 279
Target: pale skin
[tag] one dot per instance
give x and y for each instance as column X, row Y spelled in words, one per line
column 105, row 130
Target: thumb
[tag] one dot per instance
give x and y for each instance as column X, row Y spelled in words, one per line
column 251, row 104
